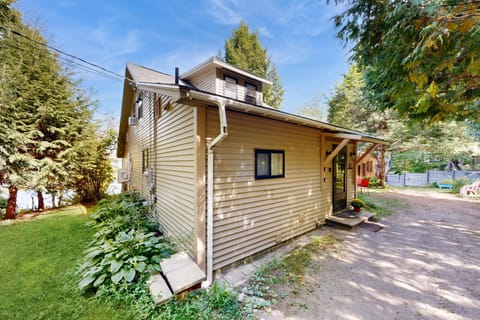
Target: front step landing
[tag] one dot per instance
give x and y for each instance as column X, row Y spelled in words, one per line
column 179, row 273
column 349, row 219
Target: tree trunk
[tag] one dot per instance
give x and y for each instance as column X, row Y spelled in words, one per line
column 381, row 163
column 388, row 162
column 12, row 202
column 60, row 198
column 41, row 202
column 53, row 199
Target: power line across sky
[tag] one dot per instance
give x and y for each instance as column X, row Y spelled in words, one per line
column 162, row 35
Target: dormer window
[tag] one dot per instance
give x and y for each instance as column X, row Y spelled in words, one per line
column 250, row 93
column 230, row 87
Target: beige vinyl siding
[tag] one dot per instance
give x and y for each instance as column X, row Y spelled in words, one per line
column 139, row 138
column 205, row 81
column 175, row 173
column 251, row 215
column 327, row 188
column 170, row 143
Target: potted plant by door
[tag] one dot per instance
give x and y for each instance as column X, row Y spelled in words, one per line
column 357, row 204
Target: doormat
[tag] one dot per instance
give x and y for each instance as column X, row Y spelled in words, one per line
column 347, row 214
column 371, row 226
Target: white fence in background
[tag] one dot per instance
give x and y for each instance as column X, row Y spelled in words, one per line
column 426, row 179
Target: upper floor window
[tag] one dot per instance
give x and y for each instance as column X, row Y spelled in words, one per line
column 250, row 93
column 230, row 87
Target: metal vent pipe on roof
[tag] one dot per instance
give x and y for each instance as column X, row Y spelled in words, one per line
column 177, row 76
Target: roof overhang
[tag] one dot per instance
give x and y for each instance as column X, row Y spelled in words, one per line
column 194, row 97
column 197, row 97
column 214, row 62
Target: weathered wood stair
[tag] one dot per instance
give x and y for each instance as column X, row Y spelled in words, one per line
column 179, row 273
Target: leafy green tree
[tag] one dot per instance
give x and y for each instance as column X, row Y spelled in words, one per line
column 244, row 50
column 88, row 164
column 350, row 107
column 421, row 58
column 313, row 109
column 415, row 146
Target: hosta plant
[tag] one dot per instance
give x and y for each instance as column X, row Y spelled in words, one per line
column 124, row 247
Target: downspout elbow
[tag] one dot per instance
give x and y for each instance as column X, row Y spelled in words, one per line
column 222, row 113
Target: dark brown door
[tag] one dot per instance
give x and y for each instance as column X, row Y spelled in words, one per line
column 340, row 180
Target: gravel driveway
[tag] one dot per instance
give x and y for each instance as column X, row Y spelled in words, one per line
column 425, row 264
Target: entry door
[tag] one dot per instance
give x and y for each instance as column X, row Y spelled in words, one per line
column 340, row 181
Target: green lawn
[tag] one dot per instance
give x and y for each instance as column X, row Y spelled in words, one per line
column 37, row 259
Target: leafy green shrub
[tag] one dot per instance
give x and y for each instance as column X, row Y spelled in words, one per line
column 3, row 203
column 218, row 302
column 3, row 206
column 374, row 182
column 357, row 202
column 458, row 184
column 124, row 247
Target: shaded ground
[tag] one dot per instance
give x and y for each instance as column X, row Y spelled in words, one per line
column 425, row 264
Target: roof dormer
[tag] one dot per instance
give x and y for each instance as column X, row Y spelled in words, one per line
column 220, row 78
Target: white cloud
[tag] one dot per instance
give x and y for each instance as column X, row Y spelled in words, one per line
column 264, row 31
column 225, row 12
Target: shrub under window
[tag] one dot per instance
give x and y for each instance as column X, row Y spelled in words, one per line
column 269, row 164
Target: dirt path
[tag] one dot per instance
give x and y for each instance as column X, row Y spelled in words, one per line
column 425, row 264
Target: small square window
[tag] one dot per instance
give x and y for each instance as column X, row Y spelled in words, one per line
column 269, row 164
column 139, row 107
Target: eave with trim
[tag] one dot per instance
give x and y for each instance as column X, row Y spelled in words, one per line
column 188, row 95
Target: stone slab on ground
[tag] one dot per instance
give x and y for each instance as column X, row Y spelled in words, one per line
column 159, row 288
column 181, row 272
column 351, row 221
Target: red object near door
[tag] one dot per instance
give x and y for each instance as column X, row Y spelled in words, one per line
column 364, row 183
column 357, row 209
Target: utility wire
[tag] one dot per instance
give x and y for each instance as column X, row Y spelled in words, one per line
column 98, row 69
column 63, row 60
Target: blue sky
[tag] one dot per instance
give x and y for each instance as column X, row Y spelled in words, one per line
column 299, row 36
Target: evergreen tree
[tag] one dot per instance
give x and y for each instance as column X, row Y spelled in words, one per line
column 47, row 139
column 17, row 89
column 244, row 50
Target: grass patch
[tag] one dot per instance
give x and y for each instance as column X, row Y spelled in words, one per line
column 381, row 206
column 38, row 257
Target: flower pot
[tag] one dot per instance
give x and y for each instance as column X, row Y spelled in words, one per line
column 357, row 209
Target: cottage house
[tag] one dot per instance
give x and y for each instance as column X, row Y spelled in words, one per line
column 226, row 175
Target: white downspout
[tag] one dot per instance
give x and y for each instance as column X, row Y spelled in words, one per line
column 210, row 165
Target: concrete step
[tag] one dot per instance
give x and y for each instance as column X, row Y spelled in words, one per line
column 179, row 273
column 349, row 219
